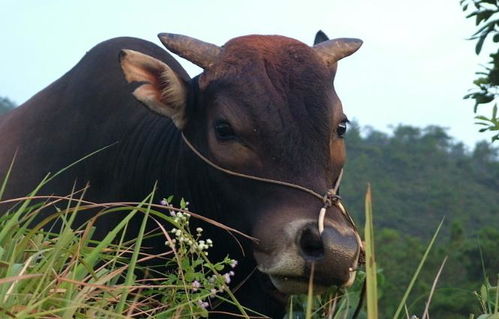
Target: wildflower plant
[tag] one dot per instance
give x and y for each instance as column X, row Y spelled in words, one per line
column 65, row 273
column 198, row 283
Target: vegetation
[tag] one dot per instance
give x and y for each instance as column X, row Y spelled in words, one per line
column 6, row 105
column 486, row 14
column 69, row 274
column 418, row 177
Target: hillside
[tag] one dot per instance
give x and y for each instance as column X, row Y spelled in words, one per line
column 418, row 177
column 6, row 105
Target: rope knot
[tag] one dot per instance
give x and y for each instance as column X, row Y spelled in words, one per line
column 330, row 198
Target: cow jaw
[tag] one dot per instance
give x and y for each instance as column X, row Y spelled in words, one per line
column 301, row 284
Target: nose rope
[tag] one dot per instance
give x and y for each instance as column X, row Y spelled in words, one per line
column 329, row 199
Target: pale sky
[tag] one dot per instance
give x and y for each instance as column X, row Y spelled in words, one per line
column 414, row 67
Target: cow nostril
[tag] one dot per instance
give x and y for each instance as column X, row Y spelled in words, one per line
column 311, row 244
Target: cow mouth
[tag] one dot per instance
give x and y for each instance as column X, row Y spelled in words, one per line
column 296, row 284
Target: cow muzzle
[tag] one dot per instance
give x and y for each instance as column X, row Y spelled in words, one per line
column 333, row 255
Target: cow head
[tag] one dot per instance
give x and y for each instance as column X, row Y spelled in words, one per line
column 265, row 106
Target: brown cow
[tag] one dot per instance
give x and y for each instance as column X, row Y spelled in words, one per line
column 264, row 106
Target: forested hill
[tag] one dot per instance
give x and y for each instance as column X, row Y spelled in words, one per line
column 6, row 105
column 418, row 176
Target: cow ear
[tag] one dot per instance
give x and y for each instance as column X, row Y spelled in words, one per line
column 320, row 36
column 163, row 91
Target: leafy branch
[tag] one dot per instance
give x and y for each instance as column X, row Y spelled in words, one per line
column 486, row 90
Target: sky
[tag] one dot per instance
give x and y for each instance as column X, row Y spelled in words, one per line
column 414, row 67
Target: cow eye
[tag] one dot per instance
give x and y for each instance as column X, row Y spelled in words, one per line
column 342, row 129
column 224, row 130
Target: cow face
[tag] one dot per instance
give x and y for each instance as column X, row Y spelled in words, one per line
column 265, row 106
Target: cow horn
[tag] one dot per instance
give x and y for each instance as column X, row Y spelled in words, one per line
column 336, row 49
column 200, row 53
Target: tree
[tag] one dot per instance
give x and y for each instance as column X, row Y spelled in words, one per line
column 6, row 105
column 486, row 13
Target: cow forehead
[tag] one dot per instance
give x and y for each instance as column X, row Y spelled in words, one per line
column 273, row 74
column 255, row 54
column 265, row 45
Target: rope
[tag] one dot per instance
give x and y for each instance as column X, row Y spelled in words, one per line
column 329, row 199
column 256, row 178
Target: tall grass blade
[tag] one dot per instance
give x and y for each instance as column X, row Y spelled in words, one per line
column 6, row 178
column 418, row 270
column 80, row 160
column 496, row 306
column 129, row 280
column 310, row 294
column 426, row 314
column 15, row 217
column 371, row 283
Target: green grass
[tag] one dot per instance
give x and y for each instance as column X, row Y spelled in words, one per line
column 68, row 274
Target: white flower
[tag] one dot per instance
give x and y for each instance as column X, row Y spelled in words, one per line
column 195, row 285
column 227, row 278
column 202, row 304
column 171, row 243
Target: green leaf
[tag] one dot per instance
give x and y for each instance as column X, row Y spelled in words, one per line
column 371, row 283
column 219, row 267
column 169, row 199
column 483, row 294
column 484, row 16
column 480, row 42
column 191, row 276
column 483, row 29
column 482, row 80
column 484, row 98
column 481, row 117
